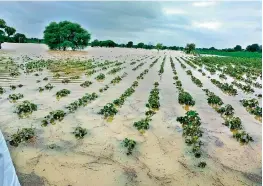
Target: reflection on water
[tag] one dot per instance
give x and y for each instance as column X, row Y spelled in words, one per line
column 161, row 157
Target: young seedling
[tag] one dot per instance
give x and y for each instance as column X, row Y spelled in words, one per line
column 227, row 110
column 62, row 93
column 100, row 77
column 25, row 108
column 52, row 117
column 22, row 135
column 143, row 124
column 243, row 137
column 129, row 144
column 49, row 86
column 2, row 90
column 202, row 164
column 108, row 110
column 14, row 97
column 86, row 84
column 13, row 87
column 185, row 98
column 234, row 123
column 40, row 89
column 65, row 81
column 80, row 132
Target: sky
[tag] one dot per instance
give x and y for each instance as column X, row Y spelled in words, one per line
column 214, row 23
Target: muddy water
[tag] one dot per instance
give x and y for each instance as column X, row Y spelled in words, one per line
column 161, row 156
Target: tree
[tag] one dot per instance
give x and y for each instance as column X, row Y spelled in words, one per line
column 10, row 31
column 253, row 48
column 95, row 43
column 19, row 38
column 2, row 32
column 190, row 48
column 64, row 35
column 130, row 44
column 159, row 46
column 238, row 48
column 212, row 48
column 140, row 45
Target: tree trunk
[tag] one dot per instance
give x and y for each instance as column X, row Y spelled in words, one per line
column 0, row 45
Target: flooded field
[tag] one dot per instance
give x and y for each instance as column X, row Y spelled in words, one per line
column 54, row 156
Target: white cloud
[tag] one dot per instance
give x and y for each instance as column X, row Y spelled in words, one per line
column 204, row 4
column 172, row 11
column 207, row 25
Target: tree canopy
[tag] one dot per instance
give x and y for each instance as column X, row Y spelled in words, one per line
column 5, row 30
column 253, row 48
column 190, row 47
column 237, row 48
column 65, row 35
column 106, row 43
column 19, row 38
column 130, row 44
column 159, row 46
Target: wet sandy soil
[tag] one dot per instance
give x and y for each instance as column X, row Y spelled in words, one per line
column 161, row 156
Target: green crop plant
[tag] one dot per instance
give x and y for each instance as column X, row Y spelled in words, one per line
column 62, row 93
column 14, row 97
column 49, row 86
column 23, row 135
column 108, row 110
column 25, row 108
column 80, row 132
column 129, row 144
column 185, row 98
column 86, row 84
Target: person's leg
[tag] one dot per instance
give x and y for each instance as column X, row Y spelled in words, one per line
column 8, row 175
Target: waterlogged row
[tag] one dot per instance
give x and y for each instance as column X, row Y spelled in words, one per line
column 191, row 122
column 226, row 112
column 26, row 108
column 225, row 87
column 110, row 110
column 162, row 66
column 234, row 67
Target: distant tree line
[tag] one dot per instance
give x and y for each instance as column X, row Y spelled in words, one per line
column 130, row 44
column 249, row 48
column 8, row 34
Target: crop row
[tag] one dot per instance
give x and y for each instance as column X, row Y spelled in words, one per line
column 162, row 66
column 227, row 113
column 225, row 87
column 234, row 67
column 109, row 110
column 252, row 106
column 191, row 121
